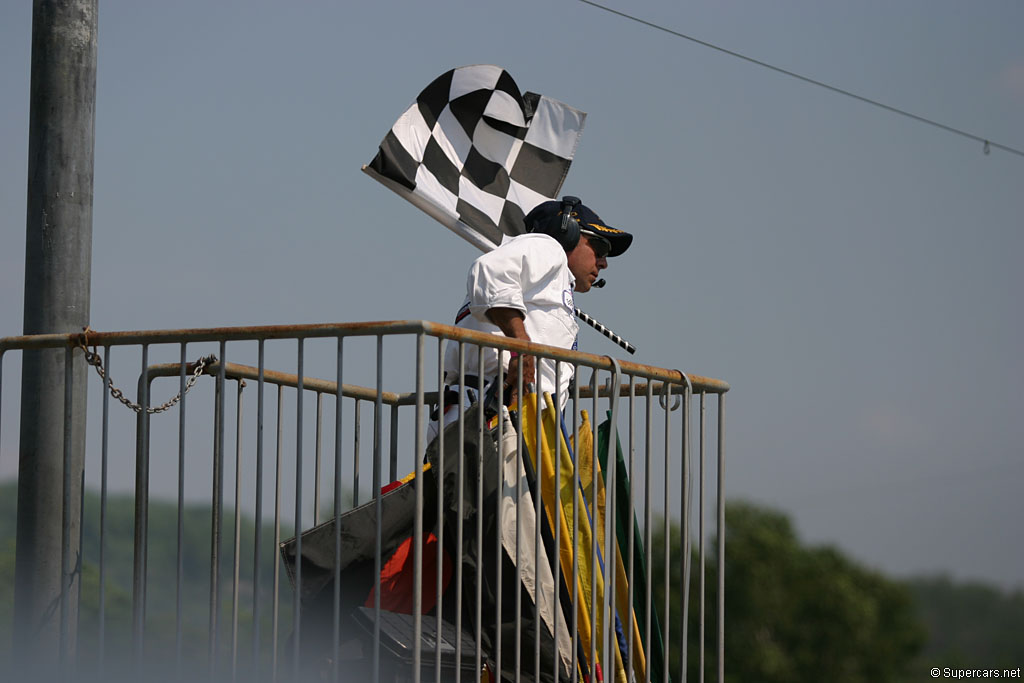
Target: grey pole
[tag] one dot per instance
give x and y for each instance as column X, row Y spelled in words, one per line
column 58, row 257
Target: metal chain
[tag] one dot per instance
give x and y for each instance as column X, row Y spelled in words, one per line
column 93, row 359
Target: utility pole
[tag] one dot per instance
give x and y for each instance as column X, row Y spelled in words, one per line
column 58, row 256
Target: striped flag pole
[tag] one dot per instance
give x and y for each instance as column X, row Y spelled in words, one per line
column 604, row 330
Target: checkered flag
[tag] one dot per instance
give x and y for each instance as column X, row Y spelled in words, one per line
column 476, row 154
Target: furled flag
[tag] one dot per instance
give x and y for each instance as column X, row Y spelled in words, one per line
column 476, row 154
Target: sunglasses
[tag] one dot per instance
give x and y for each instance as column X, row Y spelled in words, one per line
column 600, row 245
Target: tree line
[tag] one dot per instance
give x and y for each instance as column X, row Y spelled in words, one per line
column 794, row 612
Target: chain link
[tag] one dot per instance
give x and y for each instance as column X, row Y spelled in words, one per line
column 93, row 359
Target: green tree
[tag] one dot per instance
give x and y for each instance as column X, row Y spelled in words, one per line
column 161, row 626
column 970, row 625
column 793, row 613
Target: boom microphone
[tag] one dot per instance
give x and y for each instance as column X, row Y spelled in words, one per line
column 599, row 283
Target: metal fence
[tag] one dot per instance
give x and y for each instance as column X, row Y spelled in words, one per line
column 204, row 583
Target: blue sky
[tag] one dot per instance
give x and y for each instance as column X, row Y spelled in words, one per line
column 853, row 274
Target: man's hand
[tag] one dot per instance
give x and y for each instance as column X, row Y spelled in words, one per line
column 529, row 365
column 512, row 323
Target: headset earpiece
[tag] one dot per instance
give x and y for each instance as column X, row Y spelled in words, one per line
column 569, row 230
column 563, row 226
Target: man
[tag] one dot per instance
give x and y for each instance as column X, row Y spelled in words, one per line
column 524, row 289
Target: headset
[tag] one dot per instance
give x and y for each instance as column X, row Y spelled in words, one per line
column 566, row 231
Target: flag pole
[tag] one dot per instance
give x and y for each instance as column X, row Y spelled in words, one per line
column 604, row 330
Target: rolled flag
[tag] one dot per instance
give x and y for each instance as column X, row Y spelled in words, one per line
column 476, row 154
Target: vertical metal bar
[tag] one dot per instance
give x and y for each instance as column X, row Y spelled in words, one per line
column 609, row 509
column 237, row 555
column 439, row 567
column 575, row 523
column 179, row 565
column 276, row 604
column 379, row 507
column 217, row 514
column 667, row 525
column 649, row 523
column 556, row 673
column 67, row 577
column 338, row 423
column 499, row 515
column 593, row 534
column 720, row 524
column 393, row 471
column 356, row 433
column 520, row 466
column 685, row 505
column 141, row 514
column 258, row 531
column 81, row 535
column 606, row 548
column 701, row 533
column 479, row 510
column 104, row 452
column 538, row 511
column 319, row 456
column 297, row 597
column 417, row 595
column 378, row 406
column 460, row 489
column 631, row 541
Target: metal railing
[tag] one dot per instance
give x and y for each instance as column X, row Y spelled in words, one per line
column 295, row 628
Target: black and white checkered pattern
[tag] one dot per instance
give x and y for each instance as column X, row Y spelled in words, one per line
column 479, row 152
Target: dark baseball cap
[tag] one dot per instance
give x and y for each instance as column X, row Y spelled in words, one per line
column 550, row 214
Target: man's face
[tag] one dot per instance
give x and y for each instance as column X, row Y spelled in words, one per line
column 586, row 261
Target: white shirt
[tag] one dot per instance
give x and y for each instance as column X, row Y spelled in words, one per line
column 529, row 273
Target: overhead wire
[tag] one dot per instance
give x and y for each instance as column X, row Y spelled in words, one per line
column 987, row 144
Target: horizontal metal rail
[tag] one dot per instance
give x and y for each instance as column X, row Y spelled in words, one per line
column 367, row 329
column 236, row 371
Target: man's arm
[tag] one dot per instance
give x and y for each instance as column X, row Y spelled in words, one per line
column 512, row 323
